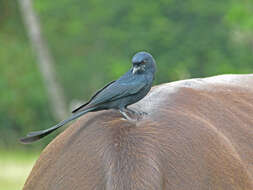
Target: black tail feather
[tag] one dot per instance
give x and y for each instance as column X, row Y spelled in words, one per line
column 34, row 136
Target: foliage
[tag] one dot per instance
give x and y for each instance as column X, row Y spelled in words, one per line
column 92, row 42
column 23, row 99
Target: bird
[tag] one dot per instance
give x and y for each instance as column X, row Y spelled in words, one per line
column 128, row 89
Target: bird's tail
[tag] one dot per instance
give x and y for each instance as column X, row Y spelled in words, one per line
column 34, row 136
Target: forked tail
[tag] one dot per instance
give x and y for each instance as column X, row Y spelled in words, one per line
column 34, row 136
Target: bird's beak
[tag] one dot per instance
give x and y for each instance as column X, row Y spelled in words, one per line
column 135, row 69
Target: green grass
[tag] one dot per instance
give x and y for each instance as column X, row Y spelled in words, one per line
column 15, row 167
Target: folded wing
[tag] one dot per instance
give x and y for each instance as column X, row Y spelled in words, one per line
column 114, row 91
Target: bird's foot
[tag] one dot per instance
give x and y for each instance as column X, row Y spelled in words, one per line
column 143, row 113
column 136, row 112
column 132, row 115
column 126, row 116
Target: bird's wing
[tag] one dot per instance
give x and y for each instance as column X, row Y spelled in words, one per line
column 83, row 105
column 117, row 90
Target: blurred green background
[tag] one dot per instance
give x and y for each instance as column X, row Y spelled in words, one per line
column 92, row 43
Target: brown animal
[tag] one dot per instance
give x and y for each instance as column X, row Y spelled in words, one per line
column 198, row 135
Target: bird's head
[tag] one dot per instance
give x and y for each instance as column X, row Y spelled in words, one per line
column 143, row 62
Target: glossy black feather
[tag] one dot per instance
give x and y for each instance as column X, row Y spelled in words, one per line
column 85, row 104
column 128, row 89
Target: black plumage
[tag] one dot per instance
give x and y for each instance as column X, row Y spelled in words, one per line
column 127, row 90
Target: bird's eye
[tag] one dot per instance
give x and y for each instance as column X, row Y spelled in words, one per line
column 139, row 63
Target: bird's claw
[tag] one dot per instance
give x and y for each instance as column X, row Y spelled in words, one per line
column 133, row 115
column 143, row 113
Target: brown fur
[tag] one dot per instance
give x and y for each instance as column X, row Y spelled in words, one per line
column 198, row 136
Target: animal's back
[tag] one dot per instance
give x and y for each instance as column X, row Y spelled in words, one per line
column 198, row 135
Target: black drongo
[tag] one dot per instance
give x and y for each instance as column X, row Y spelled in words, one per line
column 127, row 90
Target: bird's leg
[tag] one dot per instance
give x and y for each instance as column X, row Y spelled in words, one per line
column 124, row 113
column 131, row 115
